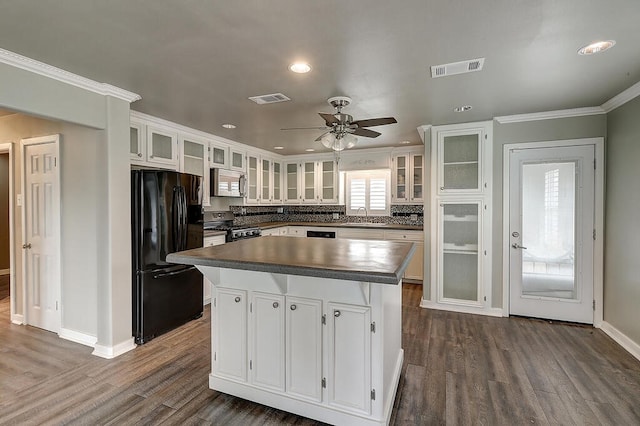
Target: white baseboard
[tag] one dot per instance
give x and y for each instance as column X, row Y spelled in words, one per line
column 78, row 337
column 491, row 312
column 5, row 271
column 109, row 352
column 17, row 319
column 620, row 338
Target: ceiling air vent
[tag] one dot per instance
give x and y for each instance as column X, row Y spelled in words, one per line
column 269, row 99
column 454, row 68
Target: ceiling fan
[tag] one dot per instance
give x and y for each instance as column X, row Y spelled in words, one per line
column 342, row 129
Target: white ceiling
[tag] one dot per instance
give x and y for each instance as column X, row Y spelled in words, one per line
column 195, row 62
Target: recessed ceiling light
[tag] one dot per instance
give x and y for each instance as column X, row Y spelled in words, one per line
column 229, row 126
column 300, row 67
column 309, row 149
column 597, row 47
column 462, row 108
column 278, row 147
column 405, row 142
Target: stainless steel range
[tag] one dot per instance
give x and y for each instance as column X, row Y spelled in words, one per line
column 223, row 221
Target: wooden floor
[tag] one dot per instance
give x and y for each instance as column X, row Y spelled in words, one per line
column 459, row 369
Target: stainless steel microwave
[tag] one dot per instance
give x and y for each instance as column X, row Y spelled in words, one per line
column 227, row 183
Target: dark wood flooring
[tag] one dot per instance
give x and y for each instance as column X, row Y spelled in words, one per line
column 459, row 369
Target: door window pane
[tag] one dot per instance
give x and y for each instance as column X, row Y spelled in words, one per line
column 548, row 230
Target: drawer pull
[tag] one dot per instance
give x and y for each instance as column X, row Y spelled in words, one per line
column 293, row 307
column 336, row 314
column 237, row 299
column 275, row 305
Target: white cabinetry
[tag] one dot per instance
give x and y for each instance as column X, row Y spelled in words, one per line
column 349, row 357
column 304, row 348
column 194, row 159
column 311, row 182
column 230, row 342
column 162, row 147
column 461, row 215
column 264, row 180
column 236, row 159
column 267, row 349
column 275, row 231
column 408, row 178
column 137, row 142
column 219, row 155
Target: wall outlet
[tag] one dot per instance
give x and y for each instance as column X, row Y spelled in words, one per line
column 243, row 211
column 280, row 210
column 413, row 218
column 336, row 216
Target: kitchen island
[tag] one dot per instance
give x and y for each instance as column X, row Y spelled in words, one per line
column 309, row 326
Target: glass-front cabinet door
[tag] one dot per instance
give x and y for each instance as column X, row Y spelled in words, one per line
column 276, row 169
column 292, row 183
column 194, row 160
column 162, row 147
column 417, row 178
column 265, row 192
column 137, row 147
column 253, row 190
column 219, row 156
column 309, row 182
column 400, row 175
column 236, row 160
column 459, row 256
column 328, row 177
column 459, row 157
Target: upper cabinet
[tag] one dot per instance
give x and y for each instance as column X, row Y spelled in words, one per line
column 236, row 159
column 460, row 152
column 311, row 182
column 137, row 142
column 219, row 155
column 194, row 159
column 408, row 185
column 162, row 147
column 264, row 180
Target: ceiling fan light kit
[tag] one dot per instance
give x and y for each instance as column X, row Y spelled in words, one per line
column 342, row 129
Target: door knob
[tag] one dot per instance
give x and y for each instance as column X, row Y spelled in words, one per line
column 518, row 246
column 26, row 246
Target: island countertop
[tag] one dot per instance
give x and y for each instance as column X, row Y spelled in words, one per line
column 343, row 259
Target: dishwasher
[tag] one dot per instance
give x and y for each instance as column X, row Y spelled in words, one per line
column 321, row 234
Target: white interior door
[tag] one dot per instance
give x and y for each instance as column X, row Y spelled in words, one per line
column 41, row 235
column 551, row 225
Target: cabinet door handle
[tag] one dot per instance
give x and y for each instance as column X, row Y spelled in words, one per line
column 237, row 299
column 275, row 305
column 293, row 307
column 336, row 314
column 139, row 154
column 442, row 188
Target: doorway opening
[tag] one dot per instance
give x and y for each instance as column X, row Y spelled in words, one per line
column 6, row 231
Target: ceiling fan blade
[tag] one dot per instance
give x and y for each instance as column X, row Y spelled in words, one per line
column 330, row 119
column 366, row 133
column 320, row 137
column 305, row 128
column 375, row 122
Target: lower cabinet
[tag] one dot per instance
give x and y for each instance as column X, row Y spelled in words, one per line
column 230, row 342
column 304, row 348
column 349, row 352
column 267, row 360
column 283, row 348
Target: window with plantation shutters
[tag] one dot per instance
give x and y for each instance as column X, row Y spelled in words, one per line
column 370, row 190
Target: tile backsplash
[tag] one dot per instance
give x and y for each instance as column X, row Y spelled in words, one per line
column 401, row 214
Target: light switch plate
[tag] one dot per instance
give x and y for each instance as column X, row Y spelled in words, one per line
column 336, row 215
column 19, row 199
column 280, row 210
column 413, row 217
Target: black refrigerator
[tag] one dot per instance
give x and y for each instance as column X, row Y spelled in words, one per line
column 166, row 217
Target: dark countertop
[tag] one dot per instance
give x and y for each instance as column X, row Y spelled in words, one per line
column 343, row 259
column 213, row 233
column 367, row 225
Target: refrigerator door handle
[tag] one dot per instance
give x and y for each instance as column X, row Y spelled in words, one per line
column 175, row 218
column 183, row 219
column 169, row 274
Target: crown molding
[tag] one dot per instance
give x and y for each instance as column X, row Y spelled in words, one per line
column 550, row 115
column 40, row 68
column 422, row 130
column 622, row 98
